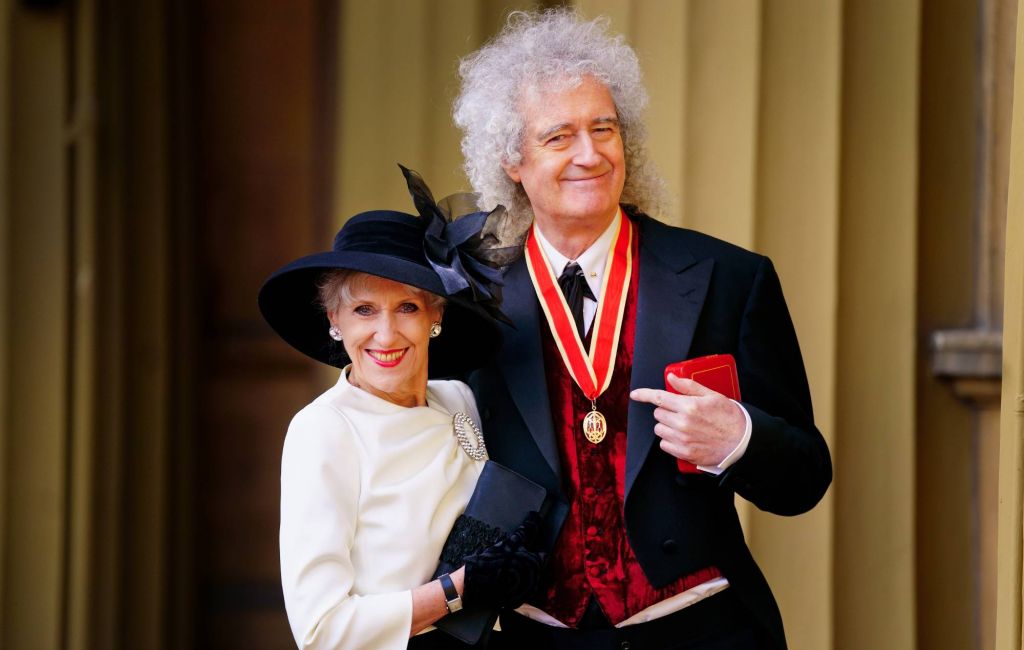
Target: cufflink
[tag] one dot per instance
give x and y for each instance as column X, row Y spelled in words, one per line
column 452, row 599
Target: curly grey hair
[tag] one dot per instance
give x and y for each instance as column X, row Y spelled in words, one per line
column 547, row 50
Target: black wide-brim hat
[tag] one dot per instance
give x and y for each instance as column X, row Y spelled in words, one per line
column 389, row 245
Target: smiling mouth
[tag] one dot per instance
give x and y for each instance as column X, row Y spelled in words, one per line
column 387, row 358
column 588, row 178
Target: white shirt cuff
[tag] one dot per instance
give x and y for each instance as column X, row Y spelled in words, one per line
column 736, row 453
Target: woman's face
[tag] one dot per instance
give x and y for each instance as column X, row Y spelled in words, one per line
column 385, row 327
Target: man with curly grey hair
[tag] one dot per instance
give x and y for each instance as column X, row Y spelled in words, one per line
column 647, row 549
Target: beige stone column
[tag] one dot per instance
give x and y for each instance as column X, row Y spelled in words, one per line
column 5, row 309
column 36, row 271
column 720, row 120
column 81, row 142
column 665, row 74
column 875, row 419
column 797, row 225
column 139, row 189
column 1010, row 579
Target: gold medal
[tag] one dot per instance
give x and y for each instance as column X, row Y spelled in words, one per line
column 595, row 427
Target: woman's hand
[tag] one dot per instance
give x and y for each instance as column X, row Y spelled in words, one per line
column 501, row 575
column 429, row 602
column 504, row 574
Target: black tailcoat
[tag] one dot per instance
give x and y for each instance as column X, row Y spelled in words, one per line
column 697, row 295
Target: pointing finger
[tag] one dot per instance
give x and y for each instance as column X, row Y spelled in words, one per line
column 649, row 395
column 688, row 386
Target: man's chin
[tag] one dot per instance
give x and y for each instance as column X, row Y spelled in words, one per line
column 595, row 212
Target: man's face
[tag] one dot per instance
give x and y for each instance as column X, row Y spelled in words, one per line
column 573, row 166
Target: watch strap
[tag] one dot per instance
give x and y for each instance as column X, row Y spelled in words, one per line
column 452, row 599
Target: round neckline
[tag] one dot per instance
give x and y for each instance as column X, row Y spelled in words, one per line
column 432, row 402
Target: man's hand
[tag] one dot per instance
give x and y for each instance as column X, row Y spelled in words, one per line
column 697, row 425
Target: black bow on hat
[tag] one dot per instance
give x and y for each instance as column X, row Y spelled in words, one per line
column 468, row 252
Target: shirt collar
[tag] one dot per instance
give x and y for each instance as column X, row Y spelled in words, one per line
column 592, row 260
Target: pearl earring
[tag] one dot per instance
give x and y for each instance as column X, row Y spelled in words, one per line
column 334, row 333
column 435, row 329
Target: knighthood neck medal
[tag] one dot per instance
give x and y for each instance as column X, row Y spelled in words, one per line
column 591, row 369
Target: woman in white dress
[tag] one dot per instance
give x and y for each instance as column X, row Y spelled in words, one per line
column 375, row 471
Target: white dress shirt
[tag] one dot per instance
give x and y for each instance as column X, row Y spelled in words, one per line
column 369, row 493
column 592, row 261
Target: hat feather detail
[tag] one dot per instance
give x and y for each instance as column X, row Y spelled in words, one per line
column 468, row 249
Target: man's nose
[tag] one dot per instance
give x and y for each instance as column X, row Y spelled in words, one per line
column 585, row 154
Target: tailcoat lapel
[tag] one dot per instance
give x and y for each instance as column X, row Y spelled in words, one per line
column 672, row 287
column 522, row 361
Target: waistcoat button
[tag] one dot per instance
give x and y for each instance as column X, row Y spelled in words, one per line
column 670, row 546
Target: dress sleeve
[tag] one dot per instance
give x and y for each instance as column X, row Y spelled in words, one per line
column 320, row 488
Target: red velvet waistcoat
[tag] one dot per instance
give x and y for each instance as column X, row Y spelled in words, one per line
column 593, row 555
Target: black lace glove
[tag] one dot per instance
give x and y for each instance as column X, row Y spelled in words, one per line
column 504, row 574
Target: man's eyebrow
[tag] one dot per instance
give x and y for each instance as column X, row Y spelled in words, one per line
column 551, row 130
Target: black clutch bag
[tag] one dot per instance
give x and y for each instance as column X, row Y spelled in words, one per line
column 500, row 502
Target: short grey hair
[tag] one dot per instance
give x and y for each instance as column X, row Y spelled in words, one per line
column 547, row 50
column 335, row 287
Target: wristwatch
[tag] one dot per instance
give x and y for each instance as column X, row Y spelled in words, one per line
column 452, row 599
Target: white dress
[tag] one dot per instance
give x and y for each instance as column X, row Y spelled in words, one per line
column 369, row 492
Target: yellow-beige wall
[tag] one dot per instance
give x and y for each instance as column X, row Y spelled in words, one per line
column 787, row 126
column 1011, row 466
